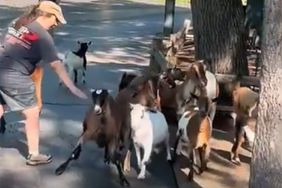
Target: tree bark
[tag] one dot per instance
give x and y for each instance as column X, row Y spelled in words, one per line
column 219, row 35
column 266, row 169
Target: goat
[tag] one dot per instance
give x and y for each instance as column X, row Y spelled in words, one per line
column 156, row 82
column 140, row 90
column 194, row 131
column 245, row 103
column 75, row 62
column 103, row 124
column 192, row 79
column 148, row 130
column 195, row 81
column 140, row 94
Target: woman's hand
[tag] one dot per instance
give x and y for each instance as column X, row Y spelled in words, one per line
column 59, row 68
column 78, row 93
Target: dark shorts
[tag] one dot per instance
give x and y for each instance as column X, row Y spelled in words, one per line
column 17, row 91
column 18, row 99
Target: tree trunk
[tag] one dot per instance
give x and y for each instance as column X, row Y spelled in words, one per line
column 219, row 35
column 266, row 170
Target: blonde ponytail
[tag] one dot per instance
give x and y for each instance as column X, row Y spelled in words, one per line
column 30, row 15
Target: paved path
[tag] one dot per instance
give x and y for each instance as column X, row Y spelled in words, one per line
column 121, row 32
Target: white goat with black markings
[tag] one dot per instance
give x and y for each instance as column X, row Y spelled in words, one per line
column 149, row 129
column 75, row 62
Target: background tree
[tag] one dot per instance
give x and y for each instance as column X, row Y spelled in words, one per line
column 219, row 34
column 266, row 169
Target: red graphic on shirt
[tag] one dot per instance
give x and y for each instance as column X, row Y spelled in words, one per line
column 30, row 37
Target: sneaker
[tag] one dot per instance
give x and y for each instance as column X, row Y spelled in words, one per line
column 39, row 159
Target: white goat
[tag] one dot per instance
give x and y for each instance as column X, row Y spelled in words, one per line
column 75, row 62
column 148, row 130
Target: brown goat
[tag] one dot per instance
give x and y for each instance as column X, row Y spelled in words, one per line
column 108, row 123
column 103, row 124
column 195, row 130
column 245, row 103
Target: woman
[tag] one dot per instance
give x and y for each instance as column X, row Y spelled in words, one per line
column 24, row 46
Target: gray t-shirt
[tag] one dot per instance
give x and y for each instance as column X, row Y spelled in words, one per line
column 24, row 48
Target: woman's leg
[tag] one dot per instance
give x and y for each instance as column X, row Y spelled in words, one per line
column 37, row 76
column 32, row 135
column 32, row 129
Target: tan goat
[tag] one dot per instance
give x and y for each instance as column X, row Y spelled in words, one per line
column 195, row 130
column 245, row 103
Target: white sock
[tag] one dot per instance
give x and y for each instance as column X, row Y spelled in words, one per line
column 34, row 153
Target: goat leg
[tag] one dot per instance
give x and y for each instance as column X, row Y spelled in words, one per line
column 146, row 157
column 74, row 156
column 2, row 125
column 239, row 136
column 191, row 164
column 83, row 76
column 127, row 160
column 75, row 76
column 123, row 180
column 126, row 163
column 180, row 133
column 115, row 157
column 106, row 155
column 203, row 160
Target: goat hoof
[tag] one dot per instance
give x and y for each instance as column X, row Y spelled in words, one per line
column 141, row 176
column 198, row 170
column 60, row 170
column 124, row 182
column 190, row 177
column 171, row 161
column 236, row 161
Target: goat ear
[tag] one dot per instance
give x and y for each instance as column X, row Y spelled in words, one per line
column 90, row 42
column 194, row 96
column 78, row 42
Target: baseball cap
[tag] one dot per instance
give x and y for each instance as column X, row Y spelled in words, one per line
column 52, row 8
